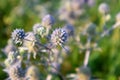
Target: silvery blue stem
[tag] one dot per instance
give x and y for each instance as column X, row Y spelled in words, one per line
column 109, row 30
column 87, row 53
column 49, row 77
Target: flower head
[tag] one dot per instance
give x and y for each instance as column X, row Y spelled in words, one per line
column 39, row 29
column 104, row 8
column 18, row 36
column 91, row 30
column 48, row 21
column 59, row 36
column 16, row 72
column 69, row 29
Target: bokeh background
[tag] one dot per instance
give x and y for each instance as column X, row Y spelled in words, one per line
column 104, row 64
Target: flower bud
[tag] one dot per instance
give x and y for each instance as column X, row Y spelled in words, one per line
column 39, row 29
column 48, row 21
column 91, row 30
column 18, row 36
column 16, row 72
column 104, row 8
column 59, row 37
column 69, row 29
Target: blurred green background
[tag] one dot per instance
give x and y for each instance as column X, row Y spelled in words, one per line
column 25, row 13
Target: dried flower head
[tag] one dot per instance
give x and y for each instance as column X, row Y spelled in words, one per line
column 48, row 21
column 39, row 29
column 59, row 37
column 18, row 36
column 104, row 8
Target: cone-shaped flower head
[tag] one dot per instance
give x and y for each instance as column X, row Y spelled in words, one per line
column 59, row 37
column 104, row 8
column 18, row 36
column 39, row 29
column 48, row 21
column 69, row 29
column 16, row 72
column 91, row 30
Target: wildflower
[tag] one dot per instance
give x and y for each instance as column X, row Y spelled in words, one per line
column 48, row 21
column 59, row 37
column 39, row 29
column 18, row 36
column 104, row 8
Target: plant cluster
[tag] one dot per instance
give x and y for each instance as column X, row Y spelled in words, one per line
column 39, row 53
